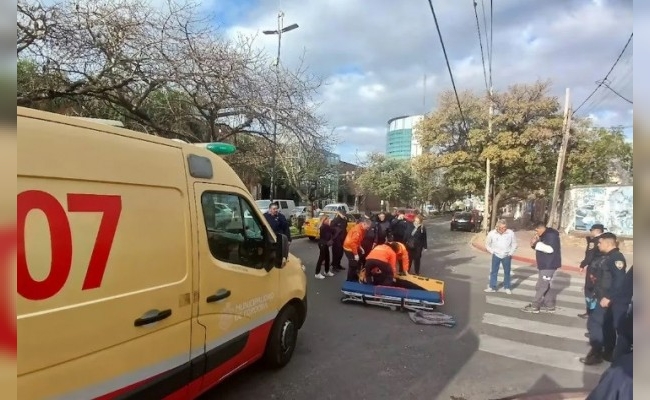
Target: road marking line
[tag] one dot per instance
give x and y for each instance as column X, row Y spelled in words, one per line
column 576, row 299
column 519, row 304
column 531, row 273
column 572, row 288
column 532, row 326
column 538, row 355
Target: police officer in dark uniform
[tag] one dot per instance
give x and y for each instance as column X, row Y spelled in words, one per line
column 607, row 275
column 591, row 253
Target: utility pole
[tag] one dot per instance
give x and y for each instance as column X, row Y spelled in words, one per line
column 486, row 211
column 566, row 130
column 280, row 30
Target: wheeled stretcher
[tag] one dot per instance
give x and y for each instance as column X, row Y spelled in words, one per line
column 410, row 293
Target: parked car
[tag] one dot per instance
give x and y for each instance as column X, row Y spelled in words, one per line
column 298, row 212
column 286, row 206
column 469, row 221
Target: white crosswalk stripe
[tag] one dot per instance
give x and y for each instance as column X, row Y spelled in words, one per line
column 554, row 340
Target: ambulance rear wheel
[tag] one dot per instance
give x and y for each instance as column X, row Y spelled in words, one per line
column 282, row 338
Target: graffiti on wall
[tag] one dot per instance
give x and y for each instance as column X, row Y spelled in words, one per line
column 611, row 206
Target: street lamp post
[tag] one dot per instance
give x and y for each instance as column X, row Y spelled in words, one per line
column 279, row 31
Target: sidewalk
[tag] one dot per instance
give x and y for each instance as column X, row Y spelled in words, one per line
column 573, row 251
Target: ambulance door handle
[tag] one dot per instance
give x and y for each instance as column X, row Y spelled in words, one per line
column 152, row 316
column 220, row 295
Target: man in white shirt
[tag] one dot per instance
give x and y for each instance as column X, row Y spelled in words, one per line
column 501, row 242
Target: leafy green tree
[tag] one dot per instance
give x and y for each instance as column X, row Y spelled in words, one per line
column 522, row 148
column 388, row 178
column 596, row 154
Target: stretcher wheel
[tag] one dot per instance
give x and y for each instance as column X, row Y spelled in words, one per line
column 343, row 298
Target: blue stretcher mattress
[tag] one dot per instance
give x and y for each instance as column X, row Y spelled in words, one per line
column 372, row 290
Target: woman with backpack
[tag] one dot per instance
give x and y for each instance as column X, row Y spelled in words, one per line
column 416, row 243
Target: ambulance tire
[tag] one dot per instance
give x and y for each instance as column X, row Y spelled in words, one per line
column 282, row 338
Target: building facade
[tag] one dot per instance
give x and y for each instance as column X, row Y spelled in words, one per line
column 401, row 138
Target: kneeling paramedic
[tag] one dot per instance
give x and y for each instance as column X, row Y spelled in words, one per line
column 607, row 275
column 381, row 266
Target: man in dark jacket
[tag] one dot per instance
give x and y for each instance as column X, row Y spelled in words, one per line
column 383, row 228
column 591, row 253
column 401, row 228
column 277, row 221
column 546, row 243
column 608, row 276
column 339, row 225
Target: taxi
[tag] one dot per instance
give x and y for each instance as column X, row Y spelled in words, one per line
column 310, row 228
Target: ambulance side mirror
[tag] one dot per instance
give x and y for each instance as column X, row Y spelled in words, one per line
column 281, row 251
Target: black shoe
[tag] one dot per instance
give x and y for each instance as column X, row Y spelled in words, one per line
column 583, row 316
column 593, row 358
column 587, row 335
column 607, row 356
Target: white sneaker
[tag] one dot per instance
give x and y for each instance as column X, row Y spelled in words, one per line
column 330, row 274
column 489, row 290
column 319, row 276
column 508, row 291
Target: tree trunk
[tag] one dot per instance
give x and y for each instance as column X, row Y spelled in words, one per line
column 494, row 209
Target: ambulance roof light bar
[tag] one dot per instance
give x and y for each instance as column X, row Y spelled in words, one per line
column 218, row 148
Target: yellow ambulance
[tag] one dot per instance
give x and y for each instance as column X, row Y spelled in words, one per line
column 144, row 268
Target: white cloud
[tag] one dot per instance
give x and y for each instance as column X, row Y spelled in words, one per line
column 374, row 55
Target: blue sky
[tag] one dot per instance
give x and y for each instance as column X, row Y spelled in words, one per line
column 373, row 59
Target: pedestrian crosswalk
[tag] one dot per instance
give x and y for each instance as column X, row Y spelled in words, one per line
column 555, row 340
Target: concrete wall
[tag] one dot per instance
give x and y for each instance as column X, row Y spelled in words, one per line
column 610, row 205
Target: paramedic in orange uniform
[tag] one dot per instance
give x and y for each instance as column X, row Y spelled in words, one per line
column 352, row 248
column 381, row 265
column 402, row 256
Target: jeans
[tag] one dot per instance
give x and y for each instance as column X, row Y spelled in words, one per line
column 494, row 271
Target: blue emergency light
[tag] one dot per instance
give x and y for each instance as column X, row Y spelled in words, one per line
column 220, row 148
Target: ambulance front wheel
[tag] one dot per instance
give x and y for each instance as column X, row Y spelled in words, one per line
column 282, row 338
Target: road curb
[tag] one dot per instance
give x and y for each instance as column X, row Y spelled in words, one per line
column 564, row 395
column 481, row 247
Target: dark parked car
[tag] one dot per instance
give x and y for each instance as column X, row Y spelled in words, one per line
column 466, row 221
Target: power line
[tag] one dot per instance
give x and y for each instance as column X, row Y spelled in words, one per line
column 615, row 92
column 491, row 39
column 451, row 75
column 485, row 24
column 480, row 42
column 606, row 76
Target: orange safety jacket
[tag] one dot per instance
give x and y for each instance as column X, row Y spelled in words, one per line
column 383, row 252
column 353, row 239
column 403, row 255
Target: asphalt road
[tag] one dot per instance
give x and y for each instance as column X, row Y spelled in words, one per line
column 348, row 351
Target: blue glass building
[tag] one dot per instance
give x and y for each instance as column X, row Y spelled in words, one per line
column 401, row 142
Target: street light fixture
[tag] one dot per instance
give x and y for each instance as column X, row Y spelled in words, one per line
column 279, row 31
